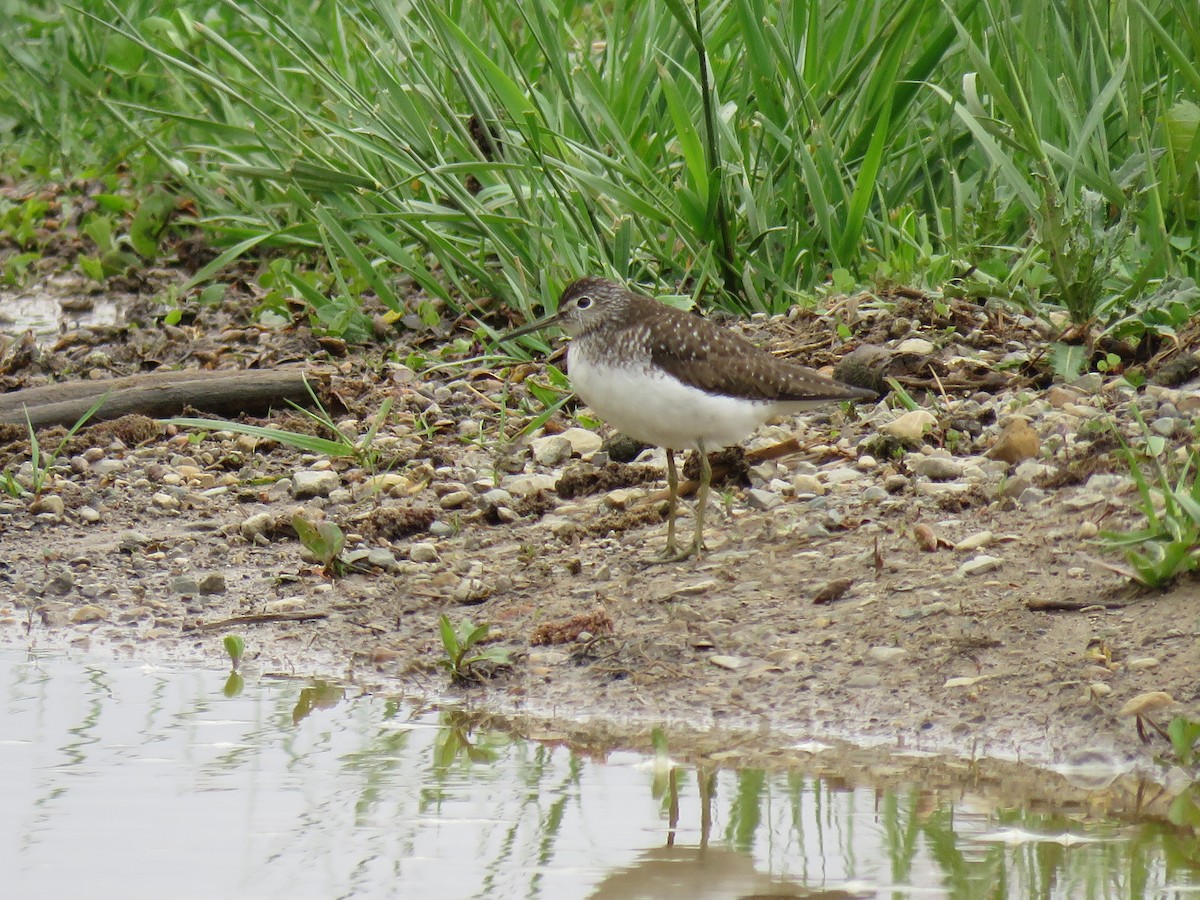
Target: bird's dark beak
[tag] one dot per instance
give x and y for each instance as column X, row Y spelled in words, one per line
column 536, row 325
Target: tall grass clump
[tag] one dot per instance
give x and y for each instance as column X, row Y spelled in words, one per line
column 742, row 149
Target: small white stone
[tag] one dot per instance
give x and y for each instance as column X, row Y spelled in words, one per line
column 423, row 552
column 978, row 565
column 1142, row 662
column 916, row 345
column 886, row 655
column 310, row 483
column 764, row 500
column 841, row 475
column 976, row 541
column 808, row 484
column 582, row 440
column 867, row 463
column 524, row 485
column 732, row 663
column 621, row 498
column 550, row 450
column 910, row 427
column 163, row 500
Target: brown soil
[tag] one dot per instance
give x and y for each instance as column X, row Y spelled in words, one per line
column 601, row 642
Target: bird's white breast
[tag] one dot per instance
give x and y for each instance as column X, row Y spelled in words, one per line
column 652, row 406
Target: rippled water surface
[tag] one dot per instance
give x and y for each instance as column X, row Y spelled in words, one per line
column 125, row 781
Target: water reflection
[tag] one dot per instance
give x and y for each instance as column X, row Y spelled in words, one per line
column 125, row 781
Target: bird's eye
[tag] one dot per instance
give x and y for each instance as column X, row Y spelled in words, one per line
column 583, row 302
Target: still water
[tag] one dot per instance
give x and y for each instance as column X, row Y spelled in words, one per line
column 120, row 780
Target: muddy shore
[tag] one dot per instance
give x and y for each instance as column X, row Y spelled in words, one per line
column 895, row 590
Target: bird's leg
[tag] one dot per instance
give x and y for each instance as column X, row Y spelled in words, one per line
column 701, row 499
column 672, row 552
column 672, row 505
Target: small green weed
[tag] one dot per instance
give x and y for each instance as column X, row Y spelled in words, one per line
column 460, row 644
column 360, row 449
column 1169, row 545
column 235, row 646
column 43, row 464
column 325, row 541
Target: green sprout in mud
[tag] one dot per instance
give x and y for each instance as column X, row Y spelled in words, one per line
column 325, row 541
column 1169, row 545
column 235, row 646
column 41, row 462
column 462, row 658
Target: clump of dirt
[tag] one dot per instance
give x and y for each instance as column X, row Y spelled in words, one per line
column 566, row 631
column 395, row 522
column 584, row 479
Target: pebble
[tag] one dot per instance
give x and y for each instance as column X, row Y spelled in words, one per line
column 1059, row 396
column 1142, row 662
column 51, row 504
column 185, row 586
column 978, row 565
column 470, row 590
column 162, row 500
column 1031, row 496
column 1164, row 426
column 621, row 498
column 1088, row 530
column 874, row 494
column 89, row 515
column 1089, row 383
column 310, row 483
column 808, row 484
column 886, row 655
column 963, row 681
column 548, row 657
column 285, row 605
column 528, row 484
column 976, row 541
column 841, row 475
column 89, row 613
column 61, row 583
column 730, row 663
column 423, row 552
column 918, row 346
column 212, row 583
column 938, row 468
column 382, row 558
column 131, row 540
column 758, row 498
column 582, row 440
column 863, row 680
column 867, row 463
column 550, row 450
column 255, row 526
column 910, row 428
column 108, row 466
column 1017, row 442
column 456, row 499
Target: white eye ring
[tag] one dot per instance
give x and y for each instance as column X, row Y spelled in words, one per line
column 583, row 302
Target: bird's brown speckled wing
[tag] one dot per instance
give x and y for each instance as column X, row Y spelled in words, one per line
column 716, row 360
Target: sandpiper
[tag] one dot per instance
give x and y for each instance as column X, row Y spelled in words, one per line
column 676, row 380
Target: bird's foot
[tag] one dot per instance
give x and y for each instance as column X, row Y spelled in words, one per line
column 672, row 553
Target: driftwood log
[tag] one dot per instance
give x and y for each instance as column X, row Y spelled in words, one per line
column 158, row 394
